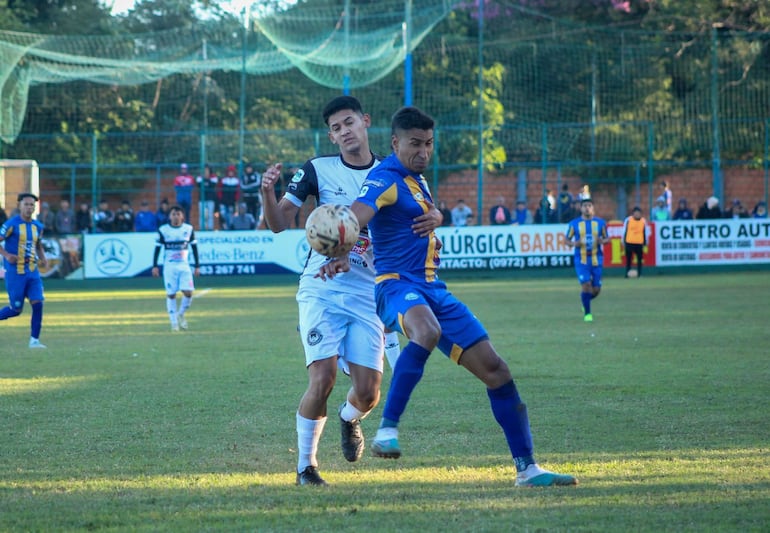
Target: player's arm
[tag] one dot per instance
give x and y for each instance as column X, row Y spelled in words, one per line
column 196, row 264
column 155, row 256
column 427, row 222
column 570, row 240
column 278, row 215
column 11, row 258
column 42, row 260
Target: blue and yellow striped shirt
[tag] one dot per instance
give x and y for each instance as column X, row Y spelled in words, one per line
column 589, row 231
column 20, row 238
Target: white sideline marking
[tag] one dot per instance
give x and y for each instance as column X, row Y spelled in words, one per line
column 201, row 293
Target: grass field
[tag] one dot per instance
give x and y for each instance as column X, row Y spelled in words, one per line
column 661, row 407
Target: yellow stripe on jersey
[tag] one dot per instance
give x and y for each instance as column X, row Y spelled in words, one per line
column 383, row 277
column 585, row 228
column 388, row 197
column 417, row 194
column 419, row 198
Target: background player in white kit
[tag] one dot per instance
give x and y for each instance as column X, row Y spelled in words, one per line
column 337, row 318
column 176, row 239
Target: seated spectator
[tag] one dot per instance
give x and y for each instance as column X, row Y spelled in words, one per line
column 760, row 210
column 710, row 209
column 3, row 216
column 565, row 204
column 243, row 220
column 47, row 218
column 83, row 218
column 124, row 218
column 736, row 210
column 660, row 211
column 161, row 216
column 522, row 215
column 145, row 220
column 683, row 212
column 446, row 213
column 545, row 214
column 104, row 218
column 65, row 218
column 461, row 214
column 499, row 215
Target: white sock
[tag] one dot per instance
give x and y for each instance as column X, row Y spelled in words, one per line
column 392, row 348
column 171, row 308
column 532, row 470
column 386, row 434
column 350, row 412
column 186, row 302
column 308, row 435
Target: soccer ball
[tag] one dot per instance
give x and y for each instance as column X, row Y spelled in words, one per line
column 633, row 273
column 332, row 230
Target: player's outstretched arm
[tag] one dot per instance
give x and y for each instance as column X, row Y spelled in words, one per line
column 278, row 215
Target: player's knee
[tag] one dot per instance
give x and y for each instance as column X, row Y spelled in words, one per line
column 15, row 310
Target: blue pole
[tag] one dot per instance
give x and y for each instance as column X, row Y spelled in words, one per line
column 346, row 74
column 407, row 30
column 716, row 163
column 480, row 187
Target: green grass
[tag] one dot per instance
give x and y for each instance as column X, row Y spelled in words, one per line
column 661, row 407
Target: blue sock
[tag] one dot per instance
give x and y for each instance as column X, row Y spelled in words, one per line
column 37, row 319
column 9, row 312
column 585, row 297
column 511, row 414
column 406, row 375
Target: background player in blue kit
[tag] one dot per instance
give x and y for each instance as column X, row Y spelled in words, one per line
column 587, row 234
column 412, row 299
column 23, row 253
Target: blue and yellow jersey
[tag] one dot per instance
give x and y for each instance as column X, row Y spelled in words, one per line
column 20, row 238
column 397, row 197
column 589, row 231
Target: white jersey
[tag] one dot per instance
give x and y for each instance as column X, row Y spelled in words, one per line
column 332, row 181
column 176, row 242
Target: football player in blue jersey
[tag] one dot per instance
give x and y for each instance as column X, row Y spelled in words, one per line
column 411, row 299
column 587, row 234
column 23, row 253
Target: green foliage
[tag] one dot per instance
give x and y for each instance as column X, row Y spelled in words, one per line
column 123, row 425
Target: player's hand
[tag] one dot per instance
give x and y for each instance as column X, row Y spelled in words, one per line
column 333, row 267
column 197, row 272
column 271, row 176
column 155, row 272
column 578, row 244
column 12, row 258
column 425, row 224
column 42, row 261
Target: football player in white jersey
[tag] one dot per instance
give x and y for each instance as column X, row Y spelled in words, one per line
column 176, row 239
column 337, row 318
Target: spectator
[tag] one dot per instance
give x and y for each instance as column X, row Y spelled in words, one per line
column 83, row 218
column 736, row 210
column 461, row 213
column 660, row 212
column 124, row 218
column 545, row 214
column 145, row 220
column 243, row 220
column 47, row 218
column 710, row 209
column 162, row 215
column 522, row 214
column 65, row 218
column 104, row 218
column 760, row 210
column 227, row 195
column 183, row 185
column 208, row 184
column 635, row 239
column 3, row 216
column 251, row 187
column 683, row 212
column 446, row 213
column 499, row 215
column 565, row 205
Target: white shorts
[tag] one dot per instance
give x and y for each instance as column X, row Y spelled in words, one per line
column 177, row 277
column 340, row 324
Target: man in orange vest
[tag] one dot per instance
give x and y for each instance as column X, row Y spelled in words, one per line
column 635, row 239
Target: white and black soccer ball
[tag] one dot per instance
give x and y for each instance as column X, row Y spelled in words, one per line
column 332, row 230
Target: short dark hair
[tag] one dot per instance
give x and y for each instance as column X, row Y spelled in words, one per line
column 636, row 208
column 176, row 208
column 410, row 117
column 341, row 103
column 26, row 195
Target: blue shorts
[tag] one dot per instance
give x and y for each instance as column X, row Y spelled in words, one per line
column 20, row 286
column 586, row 273
column 460, row 329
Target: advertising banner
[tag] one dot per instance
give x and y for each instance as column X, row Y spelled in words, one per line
column 741, row 241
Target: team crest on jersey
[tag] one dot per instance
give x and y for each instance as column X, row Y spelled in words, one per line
column 314, row 337
column 419, row 197
column 411, row 296
column 298, row 176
